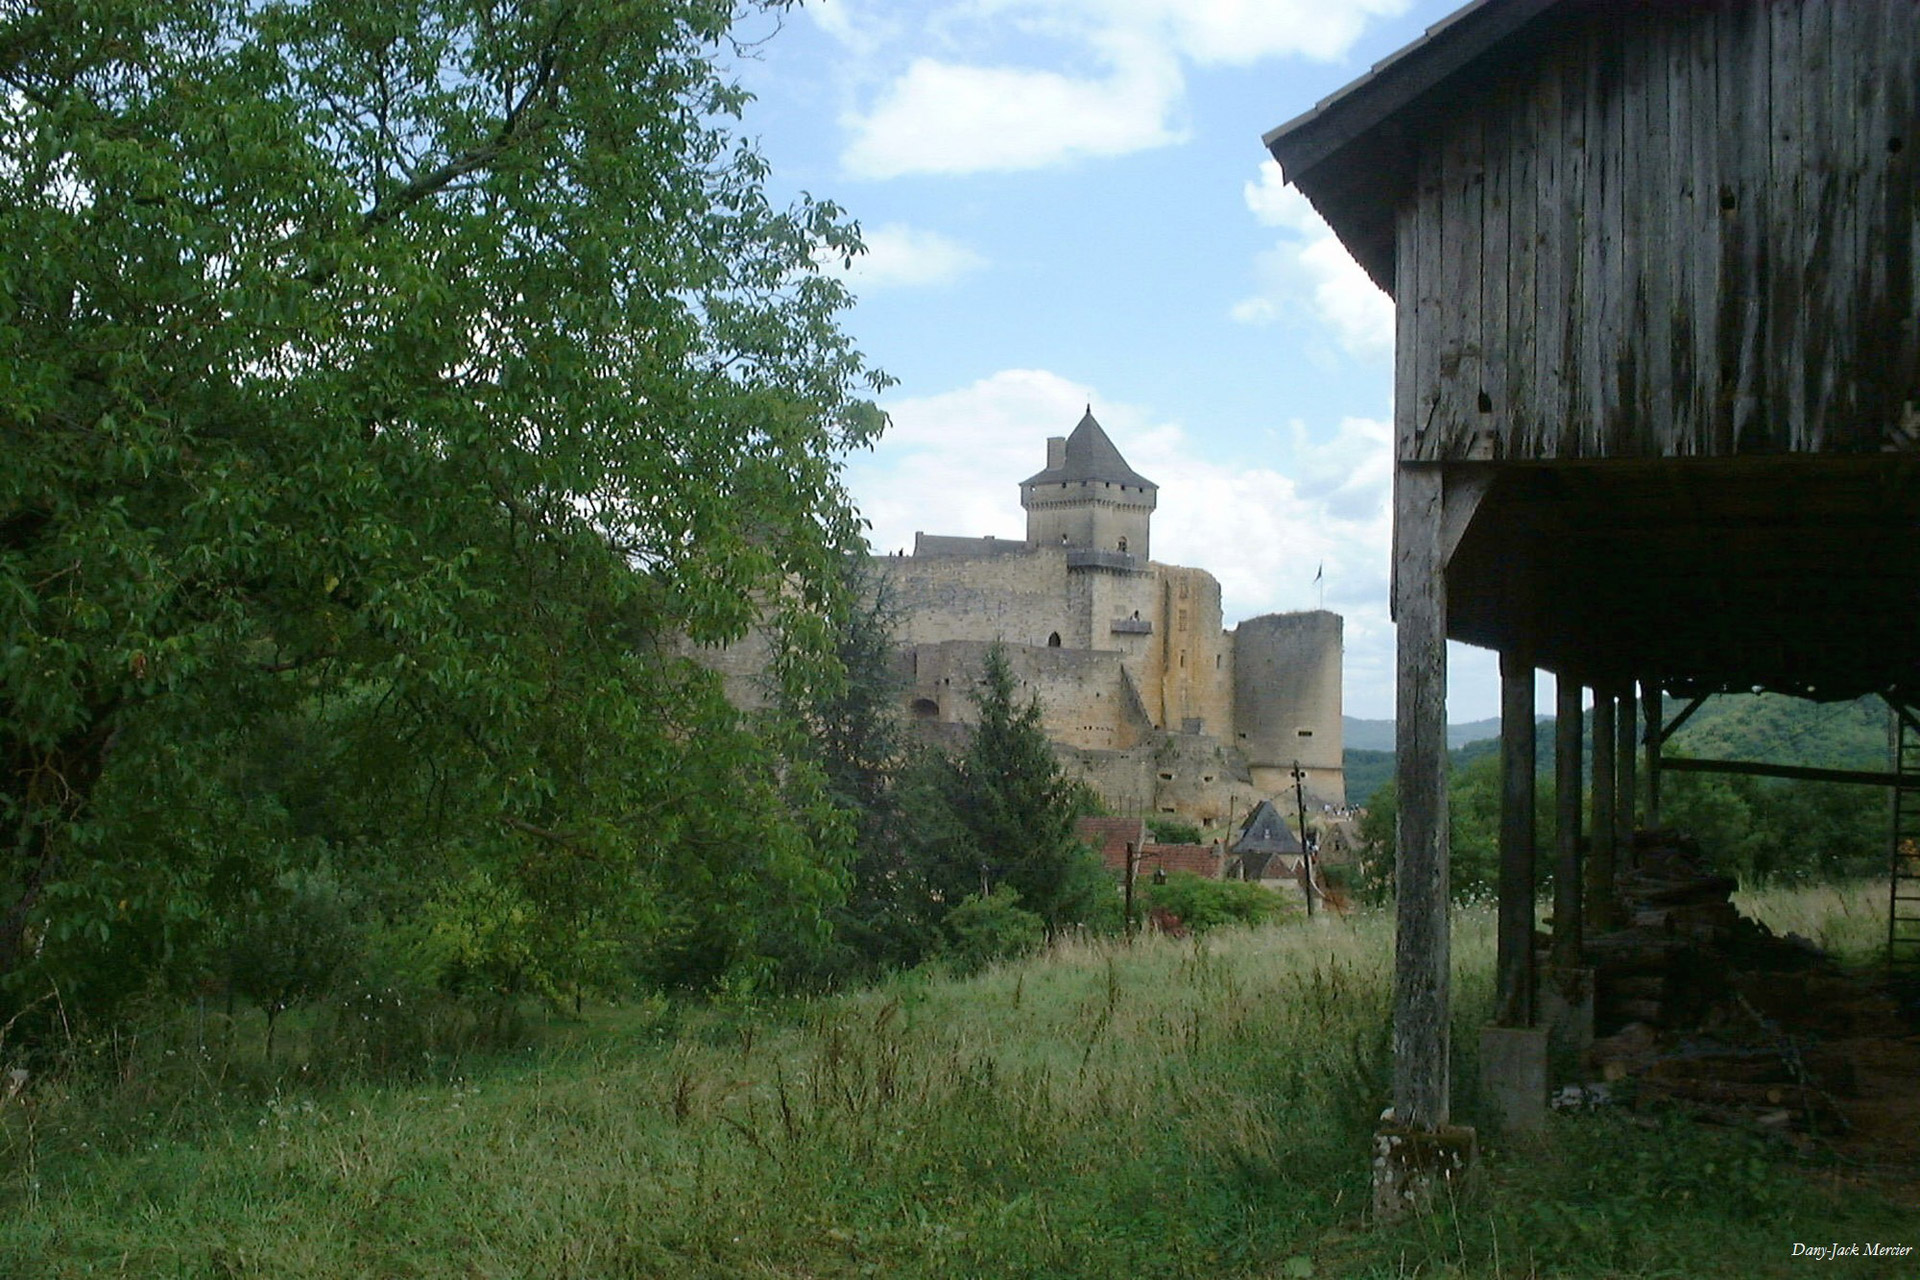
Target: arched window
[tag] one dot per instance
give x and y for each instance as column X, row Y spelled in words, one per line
column 1123, row 544
column 1053, row 641
column 925, row 708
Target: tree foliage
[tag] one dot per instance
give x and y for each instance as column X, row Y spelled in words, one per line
column 1760, row 830
column 414, row 378
column 1009, row 812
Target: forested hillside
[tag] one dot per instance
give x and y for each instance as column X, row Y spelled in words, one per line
column 1758, row 828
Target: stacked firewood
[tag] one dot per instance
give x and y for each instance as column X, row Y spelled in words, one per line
column 1700, row 1006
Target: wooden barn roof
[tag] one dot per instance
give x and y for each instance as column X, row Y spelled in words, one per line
column 1361, row 123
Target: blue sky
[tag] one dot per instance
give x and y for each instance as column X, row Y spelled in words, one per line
column 1066, row 202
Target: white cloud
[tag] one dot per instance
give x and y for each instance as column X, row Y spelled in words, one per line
column 900, row 256
column 1310, row 273
column 943, row 117
column 836, row 18
column 1233, row 32
column 953, row 462
column 1115, row 85
column 1276, row 204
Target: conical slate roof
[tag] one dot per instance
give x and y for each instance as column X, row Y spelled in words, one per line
column 1266, row 832
column 1091, row 456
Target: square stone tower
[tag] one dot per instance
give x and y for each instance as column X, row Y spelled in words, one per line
column 1089, row 500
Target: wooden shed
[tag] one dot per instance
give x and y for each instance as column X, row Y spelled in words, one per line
column 1657, row 401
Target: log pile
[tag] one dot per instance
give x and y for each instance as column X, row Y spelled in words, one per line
column 1701, row 1007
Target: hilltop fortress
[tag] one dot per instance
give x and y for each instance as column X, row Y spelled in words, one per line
column 1142, row 691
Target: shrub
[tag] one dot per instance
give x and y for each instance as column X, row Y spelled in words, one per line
column 1202, row 904
column 1173, row 831
column 982, row 930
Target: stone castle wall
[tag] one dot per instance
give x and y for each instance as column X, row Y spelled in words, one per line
column 1020, row 597
column 1084, row 696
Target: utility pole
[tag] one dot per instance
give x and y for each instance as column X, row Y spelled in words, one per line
column 1306, row 852
column 1126, row 909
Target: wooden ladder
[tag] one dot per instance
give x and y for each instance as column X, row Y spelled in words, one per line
column 1903, row 908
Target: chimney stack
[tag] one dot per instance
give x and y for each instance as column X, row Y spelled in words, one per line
column 1056, row 452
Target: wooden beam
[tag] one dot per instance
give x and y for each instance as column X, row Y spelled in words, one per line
column 1801, row 773
column 1465, row 490
column 1421, row 1084
column 1651, row 714
column 1624, row 749
column 1685, row 715
column 1566, row 874
column 1599, row 868
column 1514, row 998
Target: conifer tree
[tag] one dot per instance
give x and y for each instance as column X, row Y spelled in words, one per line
column 1016, row 808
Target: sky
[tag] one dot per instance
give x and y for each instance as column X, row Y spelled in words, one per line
column 1066, row 203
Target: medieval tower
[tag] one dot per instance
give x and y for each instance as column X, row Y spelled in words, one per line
column 1143, row 692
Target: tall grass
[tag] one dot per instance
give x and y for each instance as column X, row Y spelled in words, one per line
column 1848, row 919
column 1170, row 1108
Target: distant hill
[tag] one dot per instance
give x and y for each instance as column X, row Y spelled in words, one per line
column 1377, row 735
column 1767, row 727
column 1783, row 730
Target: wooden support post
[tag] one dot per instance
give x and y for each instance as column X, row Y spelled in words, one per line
column 1653, row 714
column 1513, row 1003
column 1598, row 914
column 1421, row 941
column 1567, row 870
column 1624, row 751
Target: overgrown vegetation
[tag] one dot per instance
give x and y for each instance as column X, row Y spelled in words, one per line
column 1759, row 829
column 396, row 396
column 1166, row 1109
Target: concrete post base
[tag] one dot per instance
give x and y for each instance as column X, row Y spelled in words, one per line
column 1410, row 1165
column 1566, row 1010
column 1513, row 1076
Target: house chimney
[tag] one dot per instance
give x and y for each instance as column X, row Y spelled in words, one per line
column 1056, row 452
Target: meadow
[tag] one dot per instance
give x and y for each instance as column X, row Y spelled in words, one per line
column 1170, row 1108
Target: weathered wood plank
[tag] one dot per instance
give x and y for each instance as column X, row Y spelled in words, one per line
column 1798, row 52
column 1698, row 379
column 1611, row 373
column 1422, row 923
column 1520, row 412
column 1463, row 242
column 1553, row 238
column 1430, row 332
column 1746, row 179
column 1899, row 237
column 1494, row 404
column 1589, row 322
column 1674, row 230
column 1570, row 302
column 1655, row 189
column 1841, row 139
column 1406, row 327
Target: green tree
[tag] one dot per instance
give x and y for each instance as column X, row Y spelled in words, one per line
column 1010, row 811
column 848, row 715
column 436, row 369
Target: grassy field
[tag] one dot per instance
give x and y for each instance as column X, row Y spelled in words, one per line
column 1174, row 1108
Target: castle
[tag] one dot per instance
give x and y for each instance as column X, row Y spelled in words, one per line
column 1142, row 692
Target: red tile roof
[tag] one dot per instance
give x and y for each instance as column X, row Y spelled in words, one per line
column 1109, row 838
column 1200, row 859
